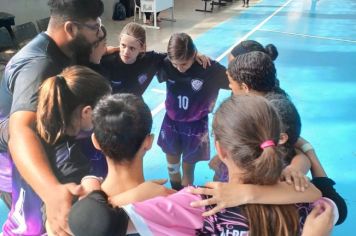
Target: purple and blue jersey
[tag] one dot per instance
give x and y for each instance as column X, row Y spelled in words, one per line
column 27, row 215
column 191, row 95
column 190, row 98
column 233, row 221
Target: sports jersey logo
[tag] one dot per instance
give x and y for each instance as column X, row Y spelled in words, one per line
column 142, row 78
column 196, row 84
column 116, row 83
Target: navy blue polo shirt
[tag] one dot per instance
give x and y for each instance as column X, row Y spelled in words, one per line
column 38, row 60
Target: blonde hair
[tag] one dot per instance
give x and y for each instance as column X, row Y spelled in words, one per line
column 135, row 30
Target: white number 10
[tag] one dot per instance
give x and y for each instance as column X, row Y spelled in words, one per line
column 183, row 102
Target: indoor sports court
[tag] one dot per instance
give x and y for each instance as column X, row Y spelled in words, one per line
column 316, row 41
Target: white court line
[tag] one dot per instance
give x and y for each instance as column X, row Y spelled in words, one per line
column 159, row 91
column 162, row 106
column 158, row 109
column 309, row 36
column 252, row 31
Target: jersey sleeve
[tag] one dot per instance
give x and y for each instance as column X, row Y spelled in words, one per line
column 93, row 216
column 326, row 186
column 164, row 215
column 220, row 75
column 25, row 84
column 158, row 57
column 162, row 74
column 335, row 209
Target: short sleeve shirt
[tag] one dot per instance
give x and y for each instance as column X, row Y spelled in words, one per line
column 132, row 78
column 191, row 95
column 165, row 216
column 67, row 160
column 38, row 60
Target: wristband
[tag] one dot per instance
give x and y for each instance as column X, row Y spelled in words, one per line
column 100, row 179
column 306, row 147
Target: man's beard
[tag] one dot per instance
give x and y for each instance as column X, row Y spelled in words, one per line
column 81, row 49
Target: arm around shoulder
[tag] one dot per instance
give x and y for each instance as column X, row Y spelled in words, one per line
column 226, row 195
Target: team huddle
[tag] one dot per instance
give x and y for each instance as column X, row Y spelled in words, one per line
column 75, row 129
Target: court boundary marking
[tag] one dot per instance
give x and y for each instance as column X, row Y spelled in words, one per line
column 309, row 36
column 161, row 106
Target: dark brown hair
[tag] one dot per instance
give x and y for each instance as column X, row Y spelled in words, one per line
column 255, row 69
column 121, row 124
column 79, row 10
column 181, row 47
column 60, row 95
column 241, row 124
column 252, row 45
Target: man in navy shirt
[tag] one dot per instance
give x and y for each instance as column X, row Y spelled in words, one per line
column 73, row 28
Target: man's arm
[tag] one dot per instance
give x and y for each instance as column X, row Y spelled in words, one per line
column 31, row 161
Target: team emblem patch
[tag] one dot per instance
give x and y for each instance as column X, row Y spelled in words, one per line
column 196, row 84
column 142, row 78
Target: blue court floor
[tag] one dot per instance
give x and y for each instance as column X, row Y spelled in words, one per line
column 316, row 41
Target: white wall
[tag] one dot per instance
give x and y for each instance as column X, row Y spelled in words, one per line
column 32, row 10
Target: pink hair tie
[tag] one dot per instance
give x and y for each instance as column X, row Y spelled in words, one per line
column 268, row 143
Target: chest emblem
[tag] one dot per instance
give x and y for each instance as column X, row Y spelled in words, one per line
column 142, row 78
column 196, row 84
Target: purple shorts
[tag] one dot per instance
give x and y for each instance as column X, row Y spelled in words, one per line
column 189, row 139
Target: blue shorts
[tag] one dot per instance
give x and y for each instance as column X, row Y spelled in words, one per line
column 189, row 139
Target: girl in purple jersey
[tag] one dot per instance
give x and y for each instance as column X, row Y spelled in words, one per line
column 65, row 104
column 191, row 95
column 131, row 68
